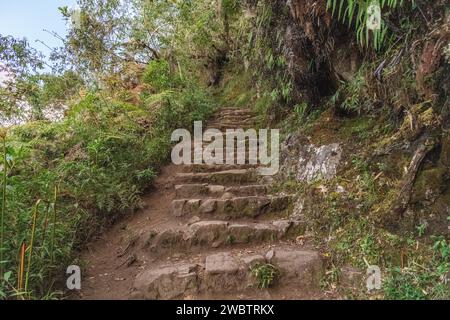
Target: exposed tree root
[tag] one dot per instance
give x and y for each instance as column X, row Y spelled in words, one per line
column 401, row 203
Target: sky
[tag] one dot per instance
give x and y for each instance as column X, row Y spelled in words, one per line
column 29, row 18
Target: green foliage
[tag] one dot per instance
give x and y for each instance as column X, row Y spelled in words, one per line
column 419, row 282
column 231, row 7
column 18, row 57
column 261, row 46
column 301, row 111
column 101, row 158
column 3, row 208
column 356, row 13
column 42, row 93
column 351, row 96
column 157, row 74
column 265, row 274
column 26, row 87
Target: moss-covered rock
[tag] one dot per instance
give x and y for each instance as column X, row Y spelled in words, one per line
column 438, row 215
column 429, row 184
column 445, row 152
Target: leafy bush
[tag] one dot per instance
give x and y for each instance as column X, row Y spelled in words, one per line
column 66, row 180
column 352, row 96
column 266, row 274
column 157, row 74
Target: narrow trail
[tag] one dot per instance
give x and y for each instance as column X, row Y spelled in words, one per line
column 203, row 228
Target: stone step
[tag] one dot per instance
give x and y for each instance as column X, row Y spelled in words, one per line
column 224, row 127
column 215, row 167
column 230, row 272
column 204, row 190
column 226, row 153
column 232, row 122
column 228, row 158
column 231, row 136
column 231, row 151
column 234, row 118
column 220, row 177
column 229, row 207
column 211, row 234
column 236, row 114
column 233, row 147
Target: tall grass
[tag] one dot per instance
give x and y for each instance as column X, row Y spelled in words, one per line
column 21, row 268
column 2, row 217
column 31, row 247
column 52, row 242
column 86, row 169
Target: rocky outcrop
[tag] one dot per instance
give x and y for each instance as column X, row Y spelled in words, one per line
column 306, row 162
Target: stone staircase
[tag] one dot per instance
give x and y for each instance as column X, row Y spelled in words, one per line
column 228, row 221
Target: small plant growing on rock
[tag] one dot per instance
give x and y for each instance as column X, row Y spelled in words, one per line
column 230, row 240
column 266, row 274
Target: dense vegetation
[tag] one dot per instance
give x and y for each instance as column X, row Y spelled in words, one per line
column 128, row 73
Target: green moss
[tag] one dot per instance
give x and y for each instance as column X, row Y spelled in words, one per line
column 429, row 183
column 445, row 151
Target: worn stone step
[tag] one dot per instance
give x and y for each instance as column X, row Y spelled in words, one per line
column 228, row 158
column 229, row 126
column 240, row 115
column 231, row 123
column 232, row 151
column 233, row 118
column 202, row 235
column 231, row 136
column 230, row 272
column 235, row 143
column 235, row 147
column 220, row 177
column 229, row 207
column 236, row 114
column 229, row 154
column 233, row 162
column 224, row 127
column 216, row 167
column 204, row 190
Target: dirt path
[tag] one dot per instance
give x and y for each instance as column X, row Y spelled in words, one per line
column 201, row 231
column 110, row 269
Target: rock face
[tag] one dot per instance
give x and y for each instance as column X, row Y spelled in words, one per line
column 308, row 162
column 318, row 162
